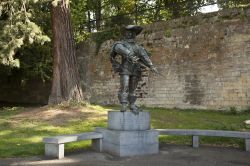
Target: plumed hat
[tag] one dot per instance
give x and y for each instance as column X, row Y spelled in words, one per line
column 135, row 28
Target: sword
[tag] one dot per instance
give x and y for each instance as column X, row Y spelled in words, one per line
column 158, row 73
column 136, row 61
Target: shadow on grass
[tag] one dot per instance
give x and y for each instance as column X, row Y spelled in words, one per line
column 28, row 141
column 21, row 132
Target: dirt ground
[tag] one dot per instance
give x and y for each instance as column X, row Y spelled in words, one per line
column 58, row 115
column 170, row 155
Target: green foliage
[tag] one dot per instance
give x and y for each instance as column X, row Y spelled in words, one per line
column 35, row 62
column 233, row 3
column 233, row 110
column 119, row 20
column 24, row 37
column 17, row 29
column 81, row 36
column 100, row 37
column 168, row 32
column 78, row 8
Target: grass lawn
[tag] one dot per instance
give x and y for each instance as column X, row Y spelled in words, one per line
column 22, row 129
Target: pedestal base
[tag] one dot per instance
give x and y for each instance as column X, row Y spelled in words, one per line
column 128, row 121
column 129, row 143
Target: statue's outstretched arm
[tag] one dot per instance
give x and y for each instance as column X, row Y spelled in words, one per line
column 144, row 57
column 123, row 51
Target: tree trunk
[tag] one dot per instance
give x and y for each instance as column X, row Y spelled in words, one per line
column 98, row 14
column 66, row 81
column 157, row 10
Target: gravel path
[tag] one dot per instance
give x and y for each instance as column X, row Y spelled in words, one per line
column 170, row 155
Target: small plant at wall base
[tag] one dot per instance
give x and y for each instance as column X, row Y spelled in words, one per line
column 234, row 111
column 168, row 33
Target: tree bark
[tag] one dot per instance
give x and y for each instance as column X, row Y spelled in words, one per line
column 98, row 14
column 66, row 81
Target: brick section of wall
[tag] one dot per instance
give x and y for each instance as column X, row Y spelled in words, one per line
column 205, row 59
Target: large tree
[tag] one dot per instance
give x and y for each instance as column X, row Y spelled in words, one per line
column 18, row 29
column 66, row 82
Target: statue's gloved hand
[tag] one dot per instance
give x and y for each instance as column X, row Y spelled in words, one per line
column 133, row 57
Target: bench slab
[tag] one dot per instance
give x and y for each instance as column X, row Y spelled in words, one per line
column 219, row 133
column 72, row 138
column 196, row 133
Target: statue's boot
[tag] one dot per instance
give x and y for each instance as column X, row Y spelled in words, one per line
column 135, row 109
column 123, row 107
column 132, row 99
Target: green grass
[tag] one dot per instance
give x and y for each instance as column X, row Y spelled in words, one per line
column 21, row 134
column 199, row 119
column 20, row 138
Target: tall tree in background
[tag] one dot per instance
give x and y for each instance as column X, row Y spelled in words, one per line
column 66, row 81
column 98, row 13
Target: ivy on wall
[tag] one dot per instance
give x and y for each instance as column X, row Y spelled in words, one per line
column 100, row 37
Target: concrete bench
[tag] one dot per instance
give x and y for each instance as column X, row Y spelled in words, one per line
column 54, row 146
column 196, row 133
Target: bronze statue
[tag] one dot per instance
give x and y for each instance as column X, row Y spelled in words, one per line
column 134, row 59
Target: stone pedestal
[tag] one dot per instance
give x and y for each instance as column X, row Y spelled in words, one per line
column 129, row 134
column 128, row 121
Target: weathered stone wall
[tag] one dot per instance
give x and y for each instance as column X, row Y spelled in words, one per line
column 205, row 59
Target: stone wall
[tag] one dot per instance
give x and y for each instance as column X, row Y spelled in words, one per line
column 205, row 61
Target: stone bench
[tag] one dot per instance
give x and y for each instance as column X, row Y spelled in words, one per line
column 196, row 133
column 54, row 146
